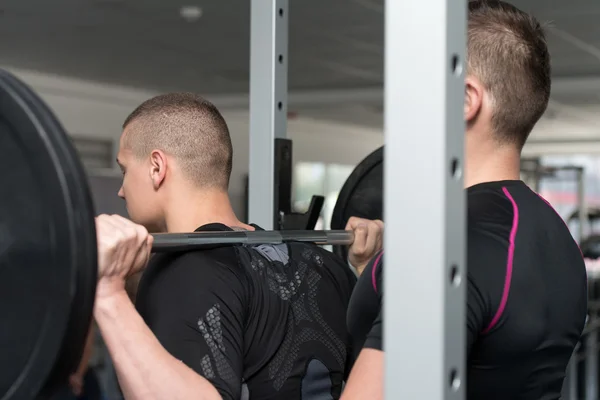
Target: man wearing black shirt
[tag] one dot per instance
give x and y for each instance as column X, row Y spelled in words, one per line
column 526, row 297
column 526, row 286
column 231, row 322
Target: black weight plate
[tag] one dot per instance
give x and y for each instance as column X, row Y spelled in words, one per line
column 83, row 227
column 47, row 247
column 361, row 196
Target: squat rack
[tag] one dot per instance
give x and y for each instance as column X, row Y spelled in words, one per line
column 424, row 287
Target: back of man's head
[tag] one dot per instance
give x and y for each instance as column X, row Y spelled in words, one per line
column 507, row 52
column 188, row 128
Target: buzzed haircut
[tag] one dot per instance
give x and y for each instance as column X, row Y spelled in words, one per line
column 188, row 127
column 507, row 51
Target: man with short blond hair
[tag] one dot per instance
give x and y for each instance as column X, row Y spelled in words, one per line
column 229, row 322
column 526, row 286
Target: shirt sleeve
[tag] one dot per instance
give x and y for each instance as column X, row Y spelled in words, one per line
column 476, row 311
column 196, row 310
column 486, row 261
column 375, row 275
column 374, row 338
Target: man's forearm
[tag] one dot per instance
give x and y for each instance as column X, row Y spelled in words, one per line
column 144, row 368
column 366, row 377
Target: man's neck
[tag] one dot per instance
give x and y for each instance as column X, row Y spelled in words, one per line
column 189, row 211
column 496, row 165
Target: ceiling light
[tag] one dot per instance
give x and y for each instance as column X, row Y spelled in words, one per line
column 190, row 13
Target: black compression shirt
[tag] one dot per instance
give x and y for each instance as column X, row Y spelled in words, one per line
column 526, row 295
column 260, row 321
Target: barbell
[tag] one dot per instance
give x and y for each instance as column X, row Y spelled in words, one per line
column 48, row 253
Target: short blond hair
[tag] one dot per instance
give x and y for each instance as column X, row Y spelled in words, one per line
column 188, row 127
column 507, row 51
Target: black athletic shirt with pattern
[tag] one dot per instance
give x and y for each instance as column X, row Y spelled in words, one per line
column 257, row 321
column 526, row 295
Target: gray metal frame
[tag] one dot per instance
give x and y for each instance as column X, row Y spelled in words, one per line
column 424, row 287
column 583, row 214
column 591, row 339
column 530, row 172
column 268, row 102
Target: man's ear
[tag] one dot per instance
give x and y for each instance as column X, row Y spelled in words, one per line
column 474, row 93
column 158, row 168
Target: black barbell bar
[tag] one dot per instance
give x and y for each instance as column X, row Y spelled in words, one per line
column 166, row 242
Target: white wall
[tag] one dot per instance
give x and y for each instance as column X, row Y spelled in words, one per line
column 94, row 110
column 98, row 110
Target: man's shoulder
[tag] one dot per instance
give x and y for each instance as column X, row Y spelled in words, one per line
column 488, row 210
column 190, row 269
column 189, row 261
column 190, row 276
